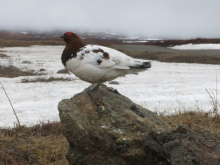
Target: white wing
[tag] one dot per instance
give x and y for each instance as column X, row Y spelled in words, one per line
column 104, row 58
column 94, row 63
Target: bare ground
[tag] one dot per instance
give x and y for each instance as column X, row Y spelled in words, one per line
column 12, row 71
column 170, row 55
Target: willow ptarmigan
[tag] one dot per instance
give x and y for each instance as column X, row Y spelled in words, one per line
column 96, row 64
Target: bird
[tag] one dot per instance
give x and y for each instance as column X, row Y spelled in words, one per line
column 97, row 64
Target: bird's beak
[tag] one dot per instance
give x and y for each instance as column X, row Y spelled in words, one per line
column 62, row 36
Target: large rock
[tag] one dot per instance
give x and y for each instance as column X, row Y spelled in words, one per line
column 106, row 128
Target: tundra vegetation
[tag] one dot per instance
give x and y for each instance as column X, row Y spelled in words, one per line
column 45, row 144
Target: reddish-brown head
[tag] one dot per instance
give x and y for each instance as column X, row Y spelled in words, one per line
column 73, row 39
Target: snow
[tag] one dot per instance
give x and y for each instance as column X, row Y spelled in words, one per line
column 139, row 40
column 165, row 88
column 135, row 41
column 128, row 38
column 196, row 46
column 24, row 33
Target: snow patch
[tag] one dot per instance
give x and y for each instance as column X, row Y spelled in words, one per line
column 196, row 46
column 165, row 88
column 24, row 33
column 134, row 41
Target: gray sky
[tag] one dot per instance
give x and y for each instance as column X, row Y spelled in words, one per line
column 151, row 18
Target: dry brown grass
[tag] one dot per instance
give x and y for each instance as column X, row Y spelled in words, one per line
column 195, row 120
column 3, row 56
column 13, row 43
column 45, row 144
column 179, row 58
column 166, row 43
column 40, row 144
column 173, row 57
column 46, row 79
column 12, row 71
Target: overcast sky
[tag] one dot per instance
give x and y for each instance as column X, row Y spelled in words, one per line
column 151, row 18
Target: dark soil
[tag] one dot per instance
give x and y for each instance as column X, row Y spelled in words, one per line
column 167, row 43
column 13, row 71
column 3, row 56
column 162, row 54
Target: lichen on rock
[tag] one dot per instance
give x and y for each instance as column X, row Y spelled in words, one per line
column 104, row 127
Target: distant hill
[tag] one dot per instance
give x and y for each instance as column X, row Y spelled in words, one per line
column 97, row 37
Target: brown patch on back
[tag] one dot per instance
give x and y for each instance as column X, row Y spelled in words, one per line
column 98, row 50
column 106, row 55
column 95, row 51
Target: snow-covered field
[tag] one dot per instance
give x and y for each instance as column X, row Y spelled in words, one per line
column 166, row 87
column 196, row 46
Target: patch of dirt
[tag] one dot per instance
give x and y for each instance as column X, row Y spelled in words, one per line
column 179, row 58
column 13, row 71
column 3, row 56
column 167, row 43
column 170, row 55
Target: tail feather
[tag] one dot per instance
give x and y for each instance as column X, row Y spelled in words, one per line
column 142, row 65
column 139, row 66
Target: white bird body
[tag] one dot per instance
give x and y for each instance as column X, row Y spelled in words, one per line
column 92, row 66
column 97, row 64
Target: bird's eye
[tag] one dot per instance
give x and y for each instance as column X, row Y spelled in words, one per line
column 67, row 35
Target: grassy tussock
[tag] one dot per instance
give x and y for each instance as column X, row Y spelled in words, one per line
column 46, row 79
column 40, row 144
column 195, row 120
column 3, row 55
column 12, row 71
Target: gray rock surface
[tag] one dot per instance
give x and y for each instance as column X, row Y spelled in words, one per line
column 27, row 62
column 106, row 128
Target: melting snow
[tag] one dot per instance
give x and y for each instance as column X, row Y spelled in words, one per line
column 135, row 41
column 197, row 46
column 166, row 87
column 24, row 33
